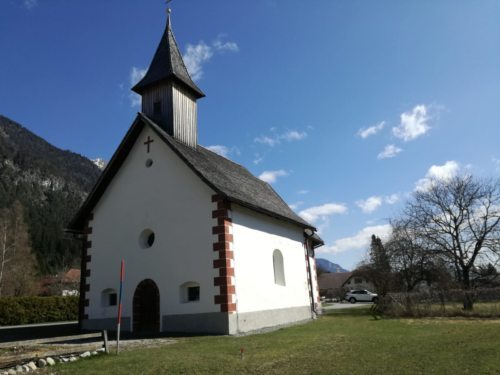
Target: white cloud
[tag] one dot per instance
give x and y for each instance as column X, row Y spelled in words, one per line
column 413, row 124
column 322, row 212
column 293, row 136
column 372, row 130
column 360, row 240
column 443, row 172
column 221, row 46
column 219, row 149
column 197, row 55
column 296, row 205
column 29, row 4
column 496, row 162
column 258, row 159
column 389, row 151
column 136, row 74
column 392, row 199
column 267, row 140
column 224, row 150
column 288, row 136
column 370, row 204
column 271, row 176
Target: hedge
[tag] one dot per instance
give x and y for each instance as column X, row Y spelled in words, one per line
column 28, row 310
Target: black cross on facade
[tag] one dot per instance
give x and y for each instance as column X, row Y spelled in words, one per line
column 148, row 142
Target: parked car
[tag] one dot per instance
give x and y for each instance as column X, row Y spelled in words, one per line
column 361, row 296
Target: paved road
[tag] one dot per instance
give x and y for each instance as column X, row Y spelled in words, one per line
column 338, row 305
column 37, row 331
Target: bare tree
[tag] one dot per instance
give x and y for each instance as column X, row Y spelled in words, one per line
column 459, row 220
column 8, row 234
column 17, row 264
column 410, row 259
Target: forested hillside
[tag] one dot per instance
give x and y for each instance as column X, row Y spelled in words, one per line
column 41, row 188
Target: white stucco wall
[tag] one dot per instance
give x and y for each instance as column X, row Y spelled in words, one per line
column 172, row 201
column 256, row 236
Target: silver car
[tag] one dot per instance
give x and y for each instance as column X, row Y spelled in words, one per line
column 361, row 296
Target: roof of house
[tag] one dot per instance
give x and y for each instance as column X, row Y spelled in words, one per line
column 333, row 280
column 167, row 64
column 225, row 177
column 73, row 275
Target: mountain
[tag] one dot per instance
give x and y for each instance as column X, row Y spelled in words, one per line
column 327, row 266
column 101, row 163
column 50, row 184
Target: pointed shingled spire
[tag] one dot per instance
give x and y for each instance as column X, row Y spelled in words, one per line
column 167, row 64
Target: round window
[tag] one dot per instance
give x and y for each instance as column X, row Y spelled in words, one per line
column 149, row 163
column 147, row 238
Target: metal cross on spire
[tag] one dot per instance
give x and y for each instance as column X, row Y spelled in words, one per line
column 168, row 8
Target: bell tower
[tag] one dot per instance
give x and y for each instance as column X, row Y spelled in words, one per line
column 168, row 93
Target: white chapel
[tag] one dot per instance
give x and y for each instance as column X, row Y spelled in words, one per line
column 207, row 246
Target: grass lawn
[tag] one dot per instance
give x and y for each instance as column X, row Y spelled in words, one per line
column 342, row 342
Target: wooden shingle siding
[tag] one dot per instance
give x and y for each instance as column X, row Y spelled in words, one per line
column 184, row 116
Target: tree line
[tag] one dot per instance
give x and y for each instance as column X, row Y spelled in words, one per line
column 447, row 236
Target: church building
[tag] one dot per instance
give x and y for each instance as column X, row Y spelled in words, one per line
column 207, row 246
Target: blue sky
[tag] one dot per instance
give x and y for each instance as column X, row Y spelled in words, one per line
column 345, row 107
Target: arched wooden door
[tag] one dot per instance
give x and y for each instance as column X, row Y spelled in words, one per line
column 146, row 307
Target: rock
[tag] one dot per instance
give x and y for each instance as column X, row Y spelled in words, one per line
column 101, row 350
column 32, row 366
column 12, row 372
column 41, row 363
column 73, row 359
column 85, row 355
column 26, row 368
column 50, row 361
column 94, row 353
column 19, row 368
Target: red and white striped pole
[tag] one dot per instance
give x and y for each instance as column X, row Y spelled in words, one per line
column 122, row 273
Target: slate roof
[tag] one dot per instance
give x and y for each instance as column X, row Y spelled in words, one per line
column 333, row 280
column 167, row 64
column 225, row 177
column 317, row 240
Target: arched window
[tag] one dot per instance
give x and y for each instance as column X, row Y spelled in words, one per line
column 109, row 297
column 190, row 292
column 279, row 268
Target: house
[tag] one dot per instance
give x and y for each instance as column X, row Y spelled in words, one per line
column 207, row 246
column 356, row 281
column 335, row 285
column 64, row 284
column 331, row 284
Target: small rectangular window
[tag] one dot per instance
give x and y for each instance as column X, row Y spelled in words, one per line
column 194, row 293
column 112, row 299
column 157, row 108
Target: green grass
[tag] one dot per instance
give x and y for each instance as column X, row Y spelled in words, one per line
column 343, row 342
